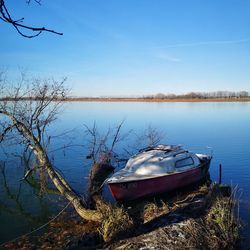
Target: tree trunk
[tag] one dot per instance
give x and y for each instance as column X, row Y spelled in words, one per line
column 65, row 189
column 60, row 183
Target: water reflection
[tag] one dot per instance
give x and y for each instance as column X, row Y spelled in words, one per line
column 224, row 126
column 22, row 207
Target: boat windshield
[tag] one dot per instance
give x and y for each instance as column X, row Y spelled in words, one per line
column 184, row 162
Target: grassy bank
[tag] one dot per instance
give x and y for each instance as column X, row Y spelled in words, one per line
column 200, row 218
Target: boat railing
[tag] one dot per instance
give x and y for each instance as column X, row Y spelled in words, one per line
column 166, row 148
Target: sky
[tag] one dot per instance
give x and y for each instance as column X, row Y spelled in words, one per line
column 133, row 47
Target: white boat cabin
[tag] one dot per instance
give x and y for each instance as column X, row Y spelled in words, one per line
column 157, row 161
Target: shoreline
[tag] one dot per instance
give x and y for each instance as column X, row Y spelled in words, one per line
column 156, row 100
column 176, row 221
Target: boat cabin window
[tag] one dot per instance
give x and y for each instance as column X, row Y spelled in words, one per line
column 184, row 162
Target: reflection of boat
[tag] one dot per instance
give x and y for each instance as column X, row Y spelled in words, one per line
column 158, row 169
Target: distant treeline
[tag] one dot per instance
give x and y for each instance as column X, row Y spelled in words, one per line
column 201, row 95
column 161, row 96
column 221, row 95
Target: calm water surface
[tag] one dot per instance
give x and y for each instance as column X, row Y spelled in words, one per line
column 223, row 126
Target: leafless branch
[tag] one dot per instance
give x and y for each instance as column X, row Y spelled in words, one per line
column 6, row 17
column 37, row 1
column 101, row 146
column 149, row 138
column 116, row 136
column 33, row 102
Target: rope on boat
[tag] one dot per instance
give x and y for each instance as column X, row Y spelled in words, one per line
column 37, row 229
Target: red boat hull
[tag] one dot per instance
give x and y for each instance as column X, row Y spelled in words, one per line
column 135, row 189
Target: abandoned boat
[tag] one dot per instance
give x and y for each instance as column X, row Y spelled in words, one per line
column 158, row 169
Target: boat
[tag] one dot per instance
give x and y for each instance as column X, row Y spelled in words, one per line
column 158, row 169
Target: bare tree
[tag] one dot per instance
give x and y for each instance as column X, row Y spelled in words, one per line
column 102, row 146
column 150, row 137
column 21, row 28
column 102, row 151
column 26, row 110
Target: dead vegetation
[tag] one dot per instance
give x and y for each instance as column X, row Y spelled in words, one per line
column 154, row 209
column 219, row 228
column 116, row 221
column 202, row 218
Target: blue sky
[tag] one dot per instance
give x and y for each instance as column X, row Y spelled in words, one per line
column 134, row 47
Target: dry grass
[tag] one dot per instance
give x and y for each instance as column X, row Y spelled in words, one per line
column 154, row 209
column 211, row 224
column 219, row 229
column 116, row 220
column 204, row 188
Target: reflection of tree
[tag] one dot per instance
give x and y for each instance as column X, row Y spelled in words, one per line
column 30, row 175
column 35, row 183
column 15, row 196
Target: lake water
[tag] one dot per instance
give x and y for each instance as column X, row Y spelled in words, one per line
column 223, row 126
